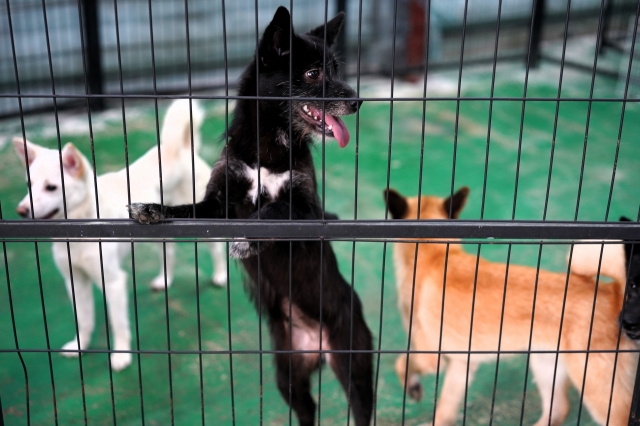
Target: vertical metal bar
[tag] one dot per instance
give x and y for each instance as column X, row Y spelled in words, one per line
column 590, row 104
column 93, row 52
column 86, row 63
column 259, row 283
column 608, row 11
column 634, row 417
column 386, row 211
column 341, row 42
column 420, row 174
column 193, row 199
column 226, row 128
column 15, row 332
column 444, row 293
column 128, row 179
column 64, row 198
column 291, row 193
column 26, row 162
column 537, row 20
column 164, row 247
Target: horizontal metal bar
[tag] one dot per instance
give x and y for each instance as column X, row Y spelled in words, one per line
column 78, row 230
column 327, row 99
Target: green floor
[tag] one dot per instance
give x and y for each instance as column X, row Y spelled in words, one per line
column 156, row 400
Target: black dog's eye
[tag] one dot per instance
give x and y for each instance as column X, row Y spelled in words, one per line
column 313, row 74
column 51, row 187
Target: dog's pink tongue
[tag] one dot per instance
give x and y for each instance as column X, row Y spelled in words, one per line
column 340, row 131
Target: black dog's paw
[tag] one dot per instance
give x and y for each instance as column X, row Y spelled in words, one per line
column 243, row 249
column 330, row 216
column 146, row 213
column 416, row 392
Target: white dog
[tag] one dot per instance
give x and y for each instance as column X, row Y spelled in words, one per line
column 86, row 267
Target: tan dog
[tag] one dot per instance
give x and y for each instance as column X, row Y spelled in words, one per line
column 516, row 326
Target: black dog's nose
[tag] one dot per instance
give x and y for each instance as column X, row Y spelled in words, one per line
column 355, row 105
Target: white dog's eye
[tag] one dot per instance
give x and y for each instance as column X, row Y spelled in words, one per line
column 51, row 187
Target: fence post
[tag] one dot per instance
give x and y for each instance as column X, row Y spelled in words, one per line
column 93, row 52
column 536, row 32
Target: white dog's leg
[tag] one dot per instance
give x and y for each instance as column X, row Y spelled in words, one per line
column 83, row 308
column 219, row 259
column 116, row 295
column 157, row 283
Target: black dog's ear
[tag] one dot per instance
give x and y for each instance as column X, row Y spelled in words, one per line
column 397, row 204
column 333, row 29
column 453, row 206
column 275, row 40
column 624, row 219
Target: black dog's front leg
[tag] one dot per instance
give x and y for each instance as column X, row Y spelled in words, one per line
column 154, row 213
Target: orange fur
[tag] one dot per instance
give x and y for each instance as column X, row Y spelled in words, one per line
column 518, row 311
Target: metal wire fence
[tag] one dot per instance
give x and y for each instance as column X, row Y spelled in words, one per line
column 173, row 42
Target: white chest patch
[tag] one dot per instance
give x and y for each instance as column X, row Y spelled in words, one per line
column 270, row 183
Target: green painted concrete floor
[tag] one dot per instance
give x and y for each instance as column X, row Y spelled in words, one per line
column 153, row 401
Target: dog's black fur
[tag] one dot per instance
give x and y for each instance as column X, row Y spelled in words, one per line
column 342, row 319
column 630, row 315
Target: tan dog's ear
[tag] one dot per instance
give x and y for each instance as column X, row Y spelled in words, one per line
column 32, row 150
column 396, row 203
column 72, row 160
column 453, row 205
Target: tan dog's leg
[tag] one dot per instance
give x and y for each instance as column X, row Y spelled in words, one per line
column 597, row 389
column 542, row 368
column 455, row 383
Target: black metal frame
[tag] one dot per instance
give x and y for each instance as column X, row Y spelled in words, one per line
column 476, row 231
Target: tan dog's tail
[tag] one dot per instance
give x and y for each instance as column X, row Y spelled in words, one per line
column 176, row 127
column 586, row 259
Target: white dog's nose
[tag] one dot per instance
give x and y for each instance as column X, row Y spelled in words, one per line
column 23, row 211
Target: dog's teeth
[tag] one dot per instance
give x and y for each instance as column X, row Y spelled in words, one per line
column 330, row 127
column 315, row 117
column 305, row 108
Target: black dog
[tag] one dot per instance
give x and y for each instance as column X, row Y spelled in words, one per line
column 294, row 312
column 630, row 315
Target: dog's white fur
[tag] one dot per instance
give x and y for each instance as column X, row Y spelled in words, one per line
column 86, row 265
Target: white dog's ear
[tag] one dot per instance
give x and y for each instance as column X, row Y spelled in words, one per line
column 32, row 149
column 72, row 160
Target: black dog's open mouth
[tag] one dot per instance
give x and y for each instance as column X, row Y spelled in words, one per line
column 333, row 126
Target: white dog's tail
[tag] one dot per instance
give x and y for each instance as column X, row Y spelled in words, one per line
column 586, row 258
column 176, row 127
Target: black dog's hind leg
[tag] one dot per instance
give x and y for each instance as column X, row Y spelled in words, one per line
column 295, row 388
column 358, row 385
